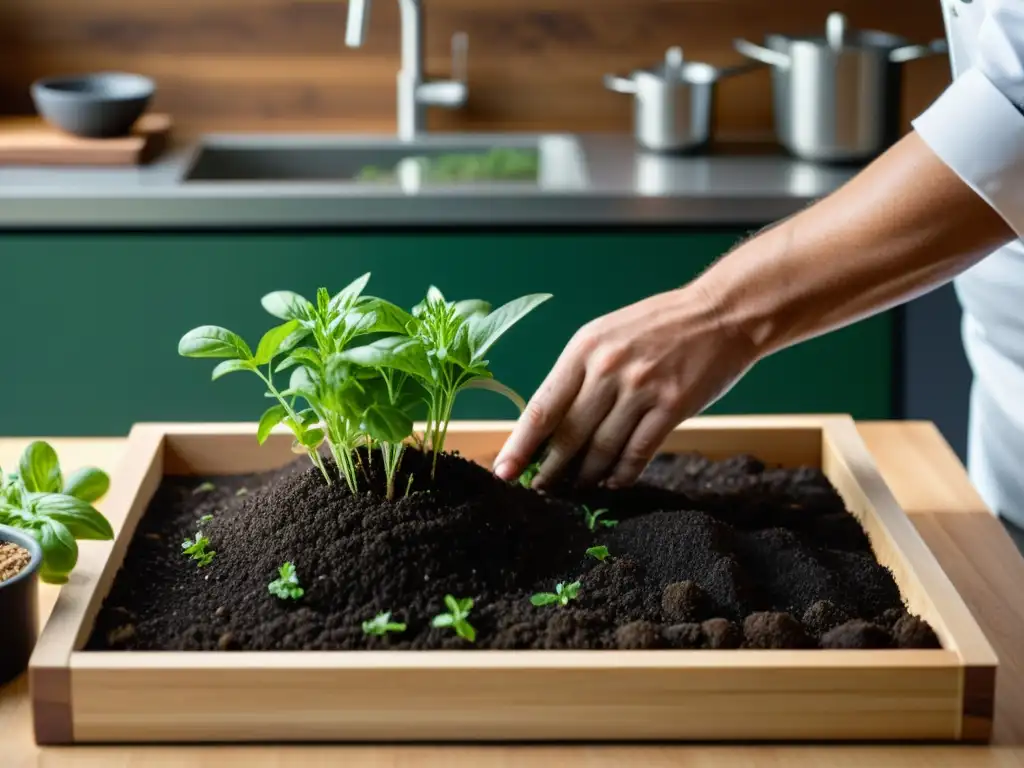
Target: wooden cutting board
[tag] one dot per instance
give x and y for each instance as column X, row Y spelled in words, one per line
column 31, row 141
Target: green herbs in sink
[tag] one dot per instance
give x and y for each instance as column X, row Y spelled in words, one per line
column 494, row 165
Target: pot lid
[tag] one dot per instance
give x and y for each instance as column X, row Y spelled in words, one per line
column 839, row 35
column 674, row 69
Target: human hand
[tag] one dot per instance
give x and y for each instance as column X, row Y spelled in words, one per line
column 622, row 384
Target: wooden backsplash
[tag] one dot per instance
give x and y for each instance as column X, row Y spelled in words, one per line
column 533, row 64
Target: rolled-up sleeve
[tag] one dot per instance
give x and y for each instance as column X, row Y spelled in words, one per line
column 977, row 125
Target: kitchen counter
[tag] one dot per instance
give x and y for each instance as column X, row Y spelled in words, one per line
column 598, row 180
column 928, row 482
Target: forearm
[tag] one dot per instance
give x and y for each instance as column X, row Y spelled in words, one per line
column 901, row 227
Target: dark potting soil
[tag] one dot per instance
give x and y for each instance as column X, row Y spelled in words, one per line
column 705, row 555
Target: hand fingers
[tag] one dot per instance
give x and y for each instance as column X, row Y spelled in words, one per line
column 610, row 438
column 654, row 427
column 542, row 415
column 588, row 410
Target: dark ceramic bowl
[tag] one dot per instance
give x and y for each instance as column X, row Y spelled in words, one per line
column 97, row 106
column 19, row 610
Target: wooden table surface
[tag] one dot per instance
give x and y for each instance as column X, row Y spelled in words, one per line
column 926, row 478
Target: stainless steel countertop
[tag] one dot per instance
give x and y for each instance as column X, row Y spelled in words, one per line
column 607, row 182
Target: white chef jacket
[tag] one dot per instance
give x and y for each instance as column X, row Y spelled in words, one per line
column 977, row 128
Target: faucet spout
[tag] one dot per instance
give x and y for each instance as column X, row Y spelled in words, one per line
column 358, row 21
column 415, row 91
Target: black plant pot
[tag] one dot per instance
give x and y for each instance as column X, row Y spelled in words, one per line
column 19, row 609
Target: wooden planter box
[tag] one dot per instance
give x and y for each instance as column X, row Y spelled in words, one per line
column 946, row 694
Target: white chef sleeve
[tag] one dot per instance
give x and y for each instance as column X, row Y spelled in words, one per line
column 977, row 125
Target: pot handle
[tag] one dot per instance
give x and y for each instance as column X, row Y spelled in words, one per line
column 911, row 52
column 761, row 54
column 619, row 84
column 739, row 69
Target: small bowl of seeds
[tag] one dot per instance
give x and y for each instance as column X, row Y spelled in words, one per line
column 20, row 559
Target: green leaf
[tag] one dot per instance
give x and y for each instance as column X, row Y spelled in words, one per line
column 39, row 469
column 443, row 620
column 389, row 317
column 301, row 356
column 79, row 517
column 451, row 604
column 230, row 366
column 287, row 305
column 293, row 339
column 398, row 352
column 386, row 423
column 359, row 322
column 302, row 383
column 544, row 598
column 346, row 296
column 312, row 438
column 598, row 553
column 270, row 419
column 204, row 488
column 434, row 295
column 496, row 386
column 465, row 605
column 484, row 330
column 466, row 631
column 468, row 307
column 213, row 341
column 60, row 551
column 272, row 340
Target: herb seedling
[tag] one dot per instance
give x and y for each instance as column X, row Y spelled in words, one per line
column 57, row 511
column 204, row 488
column 365, row 395
column 286, row 586
column 242, row 492
column 443, row 348
column 562, row 595
column 592, row 521
column 458, row 612
column 205, row 518
column 598, row 553
column 196, row 548
column 381, row 624
column 342, row 409
column 526, row 479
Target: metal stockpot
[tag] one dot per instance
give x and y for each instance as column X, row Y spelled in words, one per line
column 673, row 104
column 837, row 98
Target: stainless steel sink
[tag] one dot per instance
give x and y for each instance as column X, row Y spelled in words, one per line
column 436, row 161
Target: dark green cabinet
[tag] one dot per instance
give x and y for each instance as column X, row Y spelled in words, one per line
column 92, row 321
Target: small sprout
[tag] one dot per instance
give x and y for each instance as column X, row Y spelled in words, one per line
column 526, row 479
column 205, row 518
column 592, row 521
column 196, row 549
column 242, row 491
column 287, row 586
column 598, row 553
column 408, row 485
column 204, row 487
column 562, row 595
column 455, row 618
column 381, row 624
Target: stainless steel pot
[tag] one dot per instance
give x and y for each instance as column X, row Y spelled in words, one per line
column 673, row 103
column 837, row 97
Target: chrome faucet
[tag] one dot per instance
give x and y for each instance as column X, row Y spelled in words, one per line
column 415, row 93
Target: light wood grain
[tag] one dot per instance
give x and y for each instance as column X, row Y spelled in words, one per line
column 30, row 141
column 972, row 548
column 533, row 64
column 539, row 695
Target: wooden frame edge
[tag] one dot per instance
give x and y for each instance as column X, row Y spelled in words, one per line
column 50, row 665
column 976, row 654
